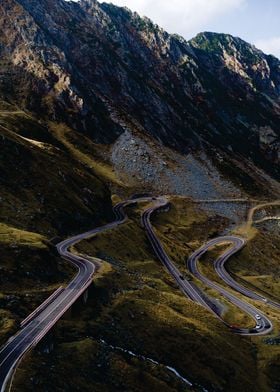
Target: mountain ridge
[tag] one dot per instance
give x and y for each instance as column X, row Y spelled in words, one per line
column 98, row 104
column 105, row 63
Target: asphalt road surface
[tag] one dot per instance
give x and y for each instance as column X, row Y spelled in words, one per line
column 36, row 326
column 40, row 321
column 262, row 324
column 221, row 270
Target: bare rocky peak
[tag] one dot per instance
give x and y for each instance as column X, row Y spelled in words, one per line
column 103, row 69
column 221, row 51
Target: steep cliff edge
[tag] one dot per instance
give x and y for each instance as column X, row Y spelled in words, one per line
column 103, row 69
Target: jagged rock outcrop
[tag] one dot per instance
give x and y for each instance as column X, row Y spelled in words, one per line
column 103, row 69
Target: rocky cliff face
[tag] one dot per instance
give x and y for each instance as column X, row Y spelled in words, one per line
column 104, row 70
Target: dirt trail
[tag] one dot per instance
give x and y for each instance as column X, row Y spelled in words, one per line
column 268, row 218
column 228, row 201
column 252, row 211
column 247, row 230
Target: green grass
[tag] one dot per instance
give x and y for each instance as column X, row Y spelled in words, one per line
column 137, row 306
column 30, row 272
column 232, row 314
column 84, row 150
column 13, row 236
column 45, row 192
column 57, row 188
column 258, row 262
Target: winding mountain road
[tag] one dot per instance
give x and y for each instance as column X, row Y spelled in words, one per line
column 186, row 287
column 37, row 325
column 221, row 270
column 262, row 324
column 40, row 321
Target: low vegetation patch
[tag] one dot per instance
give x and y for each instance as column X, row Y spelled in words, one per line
column 138, row 307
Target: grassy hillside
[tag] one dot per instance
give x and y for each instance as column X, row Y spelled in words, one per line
column 30, row 272
column 52, row 184
column 256, row 266
column 43, row 188
column 258, row 263
column 136, row 306
column 45, row 192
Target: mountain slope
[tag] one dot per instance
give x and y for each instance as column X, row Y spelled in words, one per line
column 103, row 69
column 96, row 101
column 43, row 188
column 45, row 193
